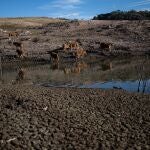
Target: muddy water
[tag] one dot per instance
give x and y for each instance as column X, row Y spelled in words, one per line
column 129, row 74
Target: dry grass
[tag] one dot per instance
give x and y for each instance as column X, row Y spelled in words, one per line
column 24, row 22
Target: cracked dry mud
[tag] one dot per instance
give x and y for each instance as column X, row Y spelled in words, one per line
column 56, row 118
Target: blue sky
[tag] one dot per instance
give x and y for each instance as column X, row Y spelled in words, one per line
column 81, row 9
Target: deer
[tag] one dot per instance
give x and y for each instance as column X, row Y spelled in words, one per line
column 80, row 52
column 13, row 34
column 106, row 46
column 54, row 56
column 70, row 45
column 19, row 49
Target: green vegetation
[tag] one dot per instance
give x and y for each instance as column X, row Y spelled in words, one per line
column 124, row 15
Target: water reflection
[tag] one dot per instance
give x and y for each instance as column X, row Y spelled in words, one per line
column 132, row 86
column 21, row 77
column 107, row 66
column 77, row 68
column 128, row 74
column 55, row 66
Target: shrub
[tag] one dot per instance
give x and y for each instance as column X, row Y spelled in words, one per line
column 35, row 39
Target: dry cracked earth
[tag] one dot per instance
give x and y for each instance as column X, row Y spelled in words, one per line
column 56, row 118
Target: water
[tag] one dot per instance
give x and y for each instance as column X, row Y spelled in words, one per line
column 129, row 74
column 132, row 86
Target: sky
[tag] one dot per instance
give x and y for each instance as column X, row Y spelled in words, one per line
column 73, row 9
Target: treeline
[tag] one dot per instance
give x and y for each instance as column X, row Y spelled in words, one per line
column 124, row 15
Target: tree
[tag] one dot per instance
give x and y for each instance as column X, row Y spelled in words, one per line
column 124, row 15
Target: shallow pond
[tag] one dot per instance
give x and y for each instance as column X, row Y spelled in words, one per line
column 129, row 74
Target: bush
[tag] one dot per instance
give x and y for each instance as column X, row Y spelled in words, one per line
column 35, row 39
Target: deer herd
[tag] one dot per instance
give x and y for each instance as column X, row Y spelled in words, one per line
column 69, row 47
column 72, row 47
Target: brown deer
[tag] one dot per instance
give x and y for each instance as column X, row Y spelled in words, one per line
column 106, row 46
column 19, row 49
column 18, row 44
column 13, row 34
column 70, row 45
column 54, row 56
column 80, row 52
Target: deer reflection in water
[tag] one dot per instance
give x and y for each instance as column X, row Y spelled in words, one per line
column 79, row 66
column 55, row 66
column 107, row 66
column 21, row 77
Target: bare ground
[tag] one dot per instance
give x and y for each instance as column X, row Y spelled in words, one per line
column 128, row 37
column 57, row 118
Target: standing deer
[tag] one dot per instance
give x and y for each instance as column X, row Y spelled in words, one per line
column 106, row 46
column 54, row 56
column 80, row 52
column 70, row 45
column 13, row 34
column 19, row 49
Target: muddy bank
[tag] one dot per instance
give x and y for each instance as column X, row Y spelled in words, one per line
column 56, row 118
